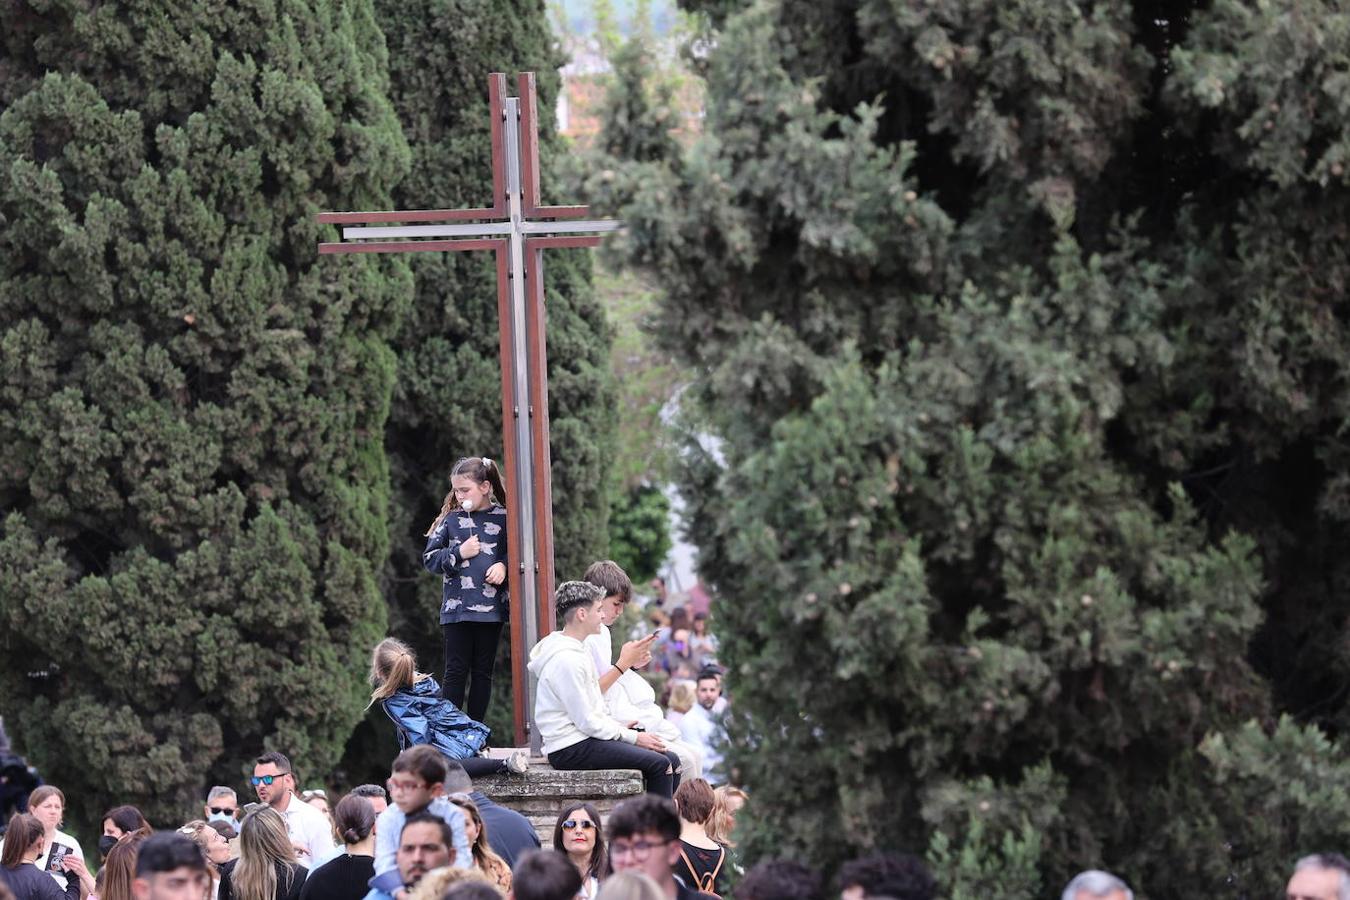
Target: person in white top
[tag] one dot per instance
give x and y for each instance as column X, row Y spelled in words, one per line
column 310, row 831
column 628, row 696
column 702, row 725
column 577, row 730
column 48, row 804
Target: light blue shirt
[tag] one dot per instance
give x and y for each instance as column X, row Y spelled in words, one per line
column 389, row 828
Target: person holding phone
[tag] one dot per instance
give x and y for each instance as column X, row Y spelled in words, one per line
column 47, row 804
column 630, row 697
column 610, row 577
column 576, row 728
column 25, row 844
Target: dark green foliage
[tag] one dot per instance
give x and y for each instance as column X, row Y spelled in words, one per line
column 447, row 401
column 639, row 526
column 639, row 110
column 193, row 404
column 1019, row 330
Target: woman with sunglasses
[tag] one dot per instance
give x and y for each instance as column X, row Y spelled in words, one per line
column 577, row 833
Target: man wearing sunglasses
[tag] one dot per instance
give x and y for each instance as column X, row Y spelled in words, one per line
column 311, row 834
column 222, row 804
column 644, row 836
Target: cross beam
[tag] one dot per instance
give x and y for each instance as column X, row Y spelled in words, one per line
column 517, row 228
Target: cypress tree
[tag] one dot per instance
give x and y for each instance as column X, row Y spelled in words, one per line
column 447, row 401
column 1016, row 330
column 194, row 483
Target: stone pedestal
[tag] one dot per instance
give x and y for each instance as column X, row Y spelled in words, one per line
column 540, row 793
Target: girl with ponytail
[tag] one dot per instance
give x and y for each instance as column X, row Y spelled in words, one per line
column 413, row 701
column 466, row 546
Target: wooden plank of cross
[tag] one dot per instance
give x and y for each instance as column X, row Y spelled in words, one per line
column 517, row 228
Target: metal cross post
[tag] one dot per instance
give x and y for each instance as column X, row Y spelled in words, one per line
column 517, row 229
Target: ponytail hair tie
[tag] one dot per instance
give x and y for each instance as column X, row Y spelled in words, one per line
column 487, row 462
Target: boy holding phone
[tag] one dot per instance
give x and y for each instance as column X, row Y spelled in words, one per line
column 608, row 575
column 628, row 695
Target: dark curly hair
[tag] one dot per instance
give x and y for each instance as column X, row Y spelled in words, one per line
column 779, row 879
column 901, row 876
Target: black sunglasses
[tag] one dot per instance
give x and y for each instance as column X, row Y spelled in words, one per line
column 217, row 810
column 583, row 824
column 266, row 779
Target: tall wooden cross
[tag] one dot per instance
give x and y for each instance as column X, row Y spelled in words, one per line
column 517, row 228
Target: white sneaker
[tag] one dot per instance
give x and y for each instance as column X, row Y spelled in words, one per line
column 518, row 762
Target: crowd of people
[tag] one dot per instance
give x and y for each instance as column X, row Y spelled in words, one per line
column 428, row 834
column 425, row 834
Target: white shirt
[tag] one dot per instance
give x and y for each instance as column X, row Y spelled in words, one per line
column 698, row 727
column 600, row 649
column 568, row 706
column 306, row 825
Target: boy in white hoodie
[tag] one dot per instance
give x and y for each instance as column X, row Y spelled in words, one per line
column 576, row 728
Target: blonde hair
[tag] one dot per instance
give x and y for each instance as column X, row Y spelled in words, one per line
column 438, row 881
column 196, row 829
column 484, row 858
column 392, row 667
column 629, row 885
column 263, row 842
column 719, row 825
column 682, row 695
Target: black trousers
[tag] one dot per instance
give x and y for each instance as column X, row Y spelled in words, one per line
column 470, row 650
column 596, row 754
column 478, row 766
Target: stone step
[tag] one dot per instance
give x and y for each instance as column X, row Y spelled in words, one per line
column 540, row 793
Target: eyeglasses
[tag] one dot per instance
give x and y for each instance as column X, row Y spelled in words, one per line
column 583, row 824
column 266, row 779
column 640, row 850
column 217, row 810
column 399, row 787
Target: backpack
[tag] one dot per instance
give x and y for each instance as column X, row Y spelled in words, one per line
column 706, row 881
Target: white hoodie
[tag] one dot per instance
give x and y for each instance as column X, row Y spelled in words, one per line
column 568, row 707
